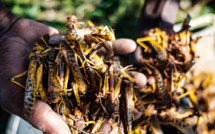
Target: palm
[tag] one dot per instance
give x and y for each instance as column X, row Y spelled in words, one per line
column 14, row 59
column 16, row 45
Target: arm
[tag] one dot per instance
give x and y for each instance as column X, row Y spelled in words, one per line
column 158, row 13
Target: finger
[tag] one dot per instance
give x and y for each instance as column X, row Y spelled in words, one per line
column 150, row 80
column 40, row 29
column 34, row 30
column 46, row 30
column 137, row 56
column 123, row 46
column 139, row 77
column 106, row 128
column 52, row 31
column 45, row 119
column 120, row 46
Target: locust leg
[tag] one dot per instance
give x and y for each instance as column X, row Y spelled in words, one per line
column 160, row 35
column 61, row 71
column 66, row 78
column 75, row 90
column 106, row 85
column 156, row 46
column 117, row 89
column 39, row 81
column 111, row 77
column 17, row 76
column 125, row 75
column 140, row 42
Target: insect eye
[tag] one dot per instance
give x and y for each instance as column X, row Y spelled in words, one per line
column 53, row 98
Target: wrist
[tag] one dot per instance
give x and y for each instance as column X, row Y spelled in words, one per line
column 7, row 19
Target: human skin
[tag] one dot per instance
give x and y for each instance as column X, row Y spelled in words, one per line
column 17, row 37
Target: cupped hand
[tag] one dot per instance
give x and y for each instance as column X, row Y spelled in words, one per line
column 15, row 47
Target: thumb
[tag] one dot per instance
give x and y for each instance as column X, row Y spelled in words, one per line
column 51, row 31
column 45, row 119
column 31, row 30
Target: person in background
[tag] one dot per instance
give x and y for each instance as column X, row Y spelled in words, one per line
column 155, row 13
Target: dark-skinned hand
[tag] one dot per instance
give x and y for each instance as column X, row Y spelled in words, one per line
column 15, row 47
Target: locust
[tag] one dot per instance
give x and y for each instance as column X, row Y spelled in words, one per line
column 73, row 64
column 161, row 89
column 54, row 87
column 30, row 97
column 129, row 106
column 112, row 101
column 33, row 79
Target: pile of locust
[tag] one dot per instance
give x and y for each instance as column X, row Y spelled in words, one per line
column 89, row 88
column 166, row 60
column 84, row 86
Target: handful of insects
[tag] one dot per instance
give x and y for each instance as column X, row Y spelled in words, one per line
column 167, row 60
column 85, row 87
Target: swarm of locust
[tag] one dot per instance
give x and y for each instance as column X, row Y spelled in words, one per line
column 166, row 59
column 85, row 87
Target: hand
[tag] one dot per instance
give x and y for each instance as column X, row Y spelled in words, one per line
column 16, row 46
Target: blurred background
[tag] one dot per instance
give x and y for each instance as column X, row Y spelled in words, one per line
column 107, row 12
column 121, row 15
